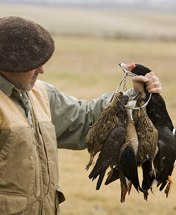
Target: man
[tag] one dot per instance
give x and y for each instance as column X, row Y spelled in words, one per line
column 36, row 118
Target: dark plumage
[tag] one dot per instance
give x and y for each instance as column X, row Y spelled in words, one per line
column 100, row 130
column 117, row 173
column 113, row 175
column 109, row 153
column 166, row 156
column 111, row 148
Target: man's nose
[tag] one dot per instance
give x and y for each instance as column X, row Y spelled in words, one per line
column 40, row 70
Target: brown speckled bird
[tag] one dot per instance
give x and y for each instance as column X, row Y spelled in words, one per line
column 148, row 141
column 111, row 148
column 147, row 136
column 100, row 130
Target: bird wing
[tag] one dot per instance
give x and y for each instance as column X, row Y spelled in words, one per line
column 128, row 166
column 109, row 152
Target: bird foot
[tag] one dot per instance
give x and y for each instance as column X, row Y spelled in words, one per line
column 90, row 162
column 169, row 186
column 110, row 173
column 151, row 189
column 153, row 171
column 88, row 166
column 123, row 195
column 129, row 188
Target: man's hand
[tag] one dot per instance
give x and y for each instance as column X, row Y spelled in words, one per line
column 150, row 82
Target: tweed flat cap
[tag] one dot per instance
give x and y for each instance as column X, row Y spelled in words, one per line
column 24, row 44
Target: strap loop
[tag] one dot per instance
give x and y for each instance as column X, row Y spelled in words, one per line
column 127, row 73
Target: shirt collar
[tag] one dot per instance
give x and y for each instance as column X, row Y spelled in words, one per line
column 6, row 87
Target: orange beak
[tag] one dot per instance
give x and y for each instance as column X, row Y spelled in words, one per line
column 127, row 67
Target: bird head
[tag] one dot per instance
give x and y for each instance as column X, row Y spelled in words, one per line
column 132, row 101
column 137, row 69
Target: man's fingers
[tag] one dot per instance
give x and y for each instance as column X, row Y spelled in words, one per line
column 153, row 85
column 140, row 78
column 150, row 74
column 152, row 89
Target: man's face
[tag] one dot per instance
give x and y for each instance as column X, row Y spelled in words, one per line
column 24, row 81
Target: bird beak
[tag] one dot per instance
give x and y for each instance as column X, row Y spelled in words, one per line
column 137, row 96
column 127, row 67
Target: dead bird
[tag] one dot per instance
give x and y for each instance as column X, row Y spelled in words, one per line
column 147, row 135
column 111, row 148
column 128, row 152
column 166, row 157
column 164, row 161
column 100, row 130
column 126, row 168
column 109, row 153
column 148, row 143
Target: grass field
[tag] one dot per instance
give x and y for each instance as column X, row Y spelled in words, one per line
column 86, row 67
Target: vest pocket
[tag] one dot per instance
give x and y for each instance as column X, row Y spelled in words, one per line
column 12, row 204
column 59, row 195
column 59, row 199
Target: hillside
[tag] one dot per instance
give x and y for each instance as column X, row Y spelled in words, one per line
column 106, row 23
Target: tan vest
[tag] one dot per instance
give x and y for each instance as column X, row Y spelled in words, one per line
column 28, row 162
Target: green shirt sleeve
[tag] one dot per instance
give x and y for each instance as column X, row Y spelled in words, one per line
column 72, row 117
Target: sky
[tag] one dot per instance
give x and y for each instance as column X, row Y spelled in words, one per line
column 169, row 5
column 95, row 1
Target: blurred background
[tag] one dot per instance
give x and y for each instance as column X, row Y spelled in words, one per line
column 92, row 37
